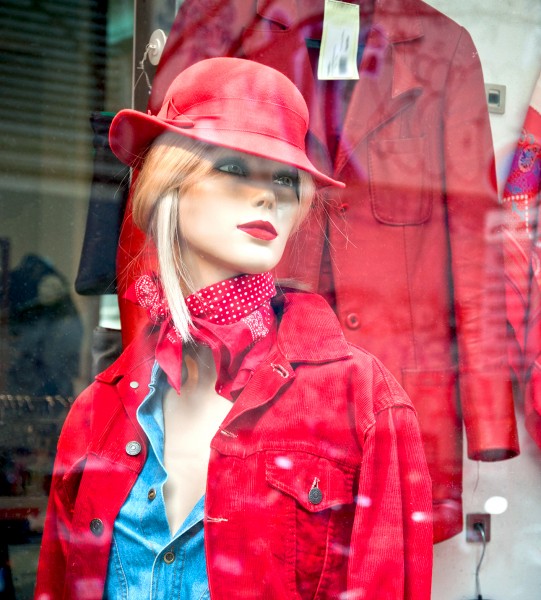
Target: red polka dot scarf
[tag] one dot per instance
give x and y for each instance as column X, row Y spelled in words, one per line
column 233, row 317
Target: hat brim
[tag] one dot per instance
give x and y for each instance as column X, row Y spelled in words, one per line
column 132, row 132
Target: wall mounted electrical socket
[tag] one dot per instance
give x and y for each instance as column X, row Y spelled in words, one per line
column 473, row 535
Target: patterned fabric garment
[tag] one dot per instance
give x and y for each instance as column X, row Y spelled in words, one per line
column 230, row 317
column 521, row 198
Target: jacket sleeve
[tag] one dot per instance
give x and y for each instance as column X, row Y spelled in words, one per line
column 475, row 229
column 392, row 542
column 69, row 463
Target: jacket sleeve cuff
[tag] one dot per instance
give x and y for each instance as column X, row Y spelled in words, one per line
column 489, row 416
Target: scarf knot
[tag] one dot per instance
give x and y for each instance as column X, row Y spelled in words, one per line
column 230, row 317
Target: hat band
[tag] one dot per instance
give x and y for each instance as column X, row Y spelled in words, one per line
column 242, row 115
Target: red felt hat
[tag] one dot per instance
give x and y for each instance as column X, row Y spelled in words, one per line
column 229, row 102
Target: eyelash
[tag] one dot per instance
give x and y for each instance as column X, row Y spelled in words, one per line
column 241, row 170
column 224, row 168
column 293, row 181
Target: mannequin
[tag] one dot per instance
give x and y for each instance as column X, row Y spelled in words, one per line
column 239, row 447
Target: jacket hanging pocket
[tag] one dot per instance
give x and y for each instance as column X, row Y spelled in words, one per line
column 399, row 190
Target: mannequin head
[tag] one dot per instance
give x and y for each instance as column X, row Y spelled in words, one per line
column 190, row 199
column 225, row 178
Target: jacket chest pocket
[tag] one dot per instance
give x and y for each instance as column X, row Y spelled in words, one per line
column 399, row 191
column 312, row 507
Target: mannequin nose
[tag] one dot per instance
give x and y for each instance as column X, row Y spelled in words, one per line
column 265, row 198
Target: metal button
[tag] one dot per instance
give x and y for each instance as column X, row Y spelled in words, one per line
column 169, row 557
column 151, row 494
column 315, row 496
column 96, row 527
column 134, row 384
column 353, row 321
column 133, row 448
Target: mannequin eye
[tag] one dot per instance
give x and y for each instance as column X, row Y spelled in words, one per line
column 287, row 179
column 233, row 167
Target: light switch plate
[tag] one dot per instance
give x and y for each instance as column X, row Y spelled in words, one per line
column 495, row 95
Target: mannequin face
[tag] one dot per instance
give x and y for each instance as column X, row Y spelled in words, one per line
column 238, row 218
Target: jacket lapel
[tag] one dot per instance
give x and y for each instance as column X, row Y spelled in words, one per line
column 295, row 345
column 277, row 40
column 387, row 83
column 131, row 373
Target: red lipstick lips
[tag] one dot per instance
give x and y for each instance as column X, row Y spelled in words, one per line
column 262, row 230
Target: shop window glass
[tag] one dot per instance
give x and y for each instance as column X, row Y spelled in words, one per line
column 429, row 256
column 61, row 63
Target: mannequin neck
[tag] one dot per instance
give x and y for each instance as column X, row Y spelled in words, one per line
column 198, row 367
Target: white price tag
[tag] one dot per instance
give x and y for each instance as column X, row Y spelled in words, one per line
column 338, row 54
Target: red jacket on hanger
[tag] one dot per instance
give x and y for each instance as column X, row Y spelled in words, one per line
column 409, row 254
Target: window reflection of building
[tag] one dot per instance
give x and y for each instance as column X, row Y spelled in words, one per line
column 59, row 62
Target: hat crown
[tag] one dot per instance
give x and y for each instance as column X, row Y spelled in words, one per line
column 216, row 80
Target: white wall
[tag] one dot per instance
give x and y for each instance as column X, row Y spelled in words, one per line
column 507, row 34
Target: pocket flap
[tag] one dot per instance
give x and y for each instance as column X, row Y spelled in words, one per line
column 399, row 186
column 298, row 474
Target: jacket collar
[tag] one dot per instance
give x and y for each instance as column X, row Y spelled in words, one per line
column 308, row 331
column 136, row 356
column 399, row 19
column 317, row 339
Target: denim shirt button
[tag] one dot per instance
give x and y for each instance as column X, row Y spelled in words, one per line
column 133, row 448
column 169, row 557
column 151, row 494
column 315, row 496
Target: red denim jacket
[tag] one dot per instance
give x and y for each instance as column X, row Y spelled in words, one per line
column 318, row 414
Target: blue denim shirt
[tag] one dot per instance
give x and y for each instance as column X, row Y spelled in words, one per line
column 146, row 562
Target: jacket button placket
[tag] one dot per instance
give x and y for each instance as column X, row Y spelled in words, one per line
column 353, row 321
column 133, row 448
column 96, row 527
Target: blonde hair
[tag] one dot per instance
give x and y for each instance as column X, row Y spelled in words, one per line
column 172, row 165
